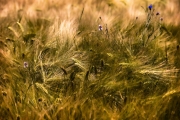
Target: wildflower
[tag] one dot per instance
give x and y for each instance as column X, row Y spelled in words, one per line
column 157, row 13
column 25, row 64
column 150, row 7
column 100, row 28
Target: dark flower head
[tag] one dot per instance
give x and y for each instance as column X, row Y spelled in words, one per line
column 100, row 28
column 157, row 13
column 161, row 19
column 4, row 93
column 25, row 64
column 40, row 100
column 150, row 7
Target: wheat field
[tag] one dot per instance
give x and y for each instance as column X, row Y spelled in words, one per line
column 89, row 60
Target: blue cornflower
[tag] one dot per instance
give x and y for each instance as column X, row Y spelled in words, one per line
column 150, row 7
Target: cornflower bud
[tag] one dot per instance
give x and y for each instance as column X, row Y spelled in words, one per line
column 100, row 28
column 25, row 64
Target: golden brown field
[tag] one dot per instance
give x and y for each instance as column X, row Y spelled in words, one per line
column 89, row 60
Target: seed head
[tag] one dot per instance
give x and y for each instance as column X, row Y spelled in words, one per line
column 177, row 47
column 40, row 100
column 161, row 19
column 18, row 117
column 157, row 13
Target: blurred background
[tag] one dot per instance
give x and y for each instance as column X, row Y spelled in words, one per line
column 169, row 9
column 89, row 11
